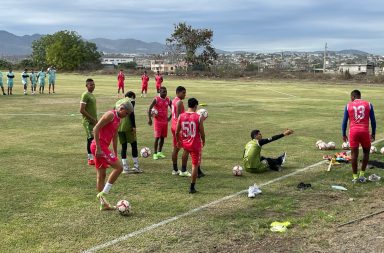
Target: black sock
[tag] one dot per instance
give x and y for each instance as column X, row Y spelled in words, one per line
column 183, row 168
column 192, row 186
column 175, row 167
column 199, row 170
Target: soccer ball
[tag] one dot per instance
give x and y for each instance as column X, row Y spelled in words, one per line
column 322, row 145
column 123, row 207
column 382, row 150
column 318, row 143
column 331, row 145
column 345, row 145
column 145, row 152
column 373, row 150
column 154, row 112
column 203, row 113
column 237, row 170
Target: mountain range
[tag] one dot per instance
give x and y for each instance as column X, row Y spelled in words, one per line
column 13, row 45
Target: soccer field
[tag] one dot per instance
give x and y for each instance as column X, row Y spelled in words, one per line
column 48, row 193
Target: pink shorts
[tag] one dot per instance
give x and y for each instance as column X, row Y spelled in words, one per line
column 120, row 85
column 144, row 88
column 356, row 138
column 107, row 159
column 160, row 129
column 196, row 156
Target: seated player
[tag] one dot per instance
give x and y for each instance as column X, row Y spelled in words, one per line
column 253, row 161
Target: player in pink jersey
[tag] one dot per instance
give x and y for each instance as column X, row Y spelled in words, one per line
column 191, row 137
column 105, row 132
column 159, row 81
column 120, row 83
column 359, row 112
column 144, row 84
column 160, row 104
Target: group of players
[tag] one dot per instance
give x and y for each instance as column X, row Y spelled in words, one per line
column 119, row 123
column 33, row 77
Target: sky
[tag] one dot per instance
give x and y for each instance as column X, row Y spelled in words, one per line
column 251, row 25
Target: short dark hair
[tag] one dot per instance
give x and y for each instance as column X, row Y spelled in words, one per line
column 163, row 88
column 88, row 80
column 356, row 94
column 192, row 102
column 130, row 94
column 254, row 133
column 180, row 89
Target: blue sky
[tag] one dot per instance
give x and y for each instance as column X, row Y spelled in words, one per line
column 259, row 26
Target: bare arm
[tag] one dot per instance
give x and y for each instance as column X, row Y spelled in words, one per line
column 170, row 107
column 177, row 134
column 114, row 141
column 202, row 132
column 149, row 112
column 86, row 114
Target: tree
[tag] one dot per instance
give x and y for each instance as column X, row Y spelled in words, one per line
column 193, row 44
column 65, row 50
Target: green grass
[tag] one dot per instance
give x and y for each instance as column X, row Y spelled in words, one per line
column 48, row 192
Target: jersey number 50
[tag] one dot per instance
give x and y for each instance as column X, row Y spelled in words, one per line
column 189, row 129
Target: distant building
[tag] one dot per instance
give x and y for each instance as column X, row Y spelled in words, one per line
column 355, row 69
column 116, row 60
column 163, row 67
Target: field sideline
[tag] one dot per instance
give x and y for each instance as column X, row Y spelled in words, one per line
column 49, row 192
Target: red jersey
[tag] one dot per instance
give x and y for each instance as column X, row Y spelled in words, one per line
column 159, row 80
column 144, row 80
column 120, row 77
column 358, row 113
column 174, row 112
column 109, row 130
column 190, row 131
column 162, row 107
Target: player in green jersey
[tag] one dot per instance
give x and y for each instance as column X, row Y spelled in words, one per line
column 51, row 79
column 1, row 83
column 41, row 77
column 89, row 112
column 33, row 79
column 10, row 77
column 253, row 161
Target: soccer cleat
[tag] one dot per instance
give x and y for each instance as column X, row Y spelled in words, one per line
column 355, row 180
column 192, row 190
column 175, row 172
column 104, row 205
column 256, row 189
column 184, row 174
column 362, row 179
column 251, row 192
column 160, row 155
column 125, row 169
column 136, row 168
column 374, row 178
column 200, row 175
column 283, row 157
column 155, row 157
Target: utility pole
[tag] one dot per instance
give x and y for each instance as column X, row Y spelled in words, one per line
column 325, row 57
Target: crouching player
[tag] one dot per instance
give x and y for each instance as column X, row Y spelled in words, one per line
column 253, row 161
column 105, row 132
column 191, row 137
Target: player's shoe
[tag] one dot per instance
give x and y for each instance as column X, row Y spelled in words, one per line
column 362, row 179
column 192, row 190
column 155, row 157
column 91, row 162
column 251, row 193
column 136, row 168
column 282, row 158
column 160, row 155
column 104, row 205
column 175, row 172
column 184, row 174
column 125, row 169
column 200, row 175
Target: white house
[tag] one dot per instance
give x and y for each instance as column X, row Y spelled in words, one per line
column 355, row 69
column 116, row 60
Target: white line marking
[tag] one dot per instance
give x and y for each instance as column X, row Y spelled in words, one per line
column 197, row 209
column 290, row 95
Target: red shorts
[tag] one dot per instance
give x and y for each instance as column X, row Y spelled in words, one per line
column 158, row 87
column 356, row 138
column 196, row 156
column 160, row 129
column 120, row 85
column 107, row 159
column 144, row 88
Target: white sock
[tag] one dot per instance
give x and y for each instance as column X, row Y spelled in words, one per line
column 90, row 157
column 107, row 188
column 135, row 160
column 124, row 161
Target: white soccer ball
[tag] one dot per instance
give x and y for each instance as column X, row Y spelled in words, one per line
column 373, row 150
column 154, row 112
column 123, row 207
column 345, row 145
column 145, row 152
column 331, row 145
column 318, row 143
column 237, row 170
column 203, row 113
column 322, row 145
column 382, row 150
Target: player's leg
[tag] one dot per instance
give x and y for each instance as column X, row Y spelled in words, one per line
column 123, row 153
column 49, row 88
column 175, row 153
column 184, row 161
column 122, row 89
column 2, row 89
column 135, row 157
column 53, row 87
column 155, row 145
column 161, row 144
column 163, row 135
column 365, row 141
column 196, row 158
column 354, row 146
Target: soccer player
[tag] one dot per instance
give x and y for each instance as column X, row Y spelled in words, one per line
column 359, row 112
column 190, row 136
column 106, row 132
column 160, row 126
column 144, row 84
column 253, row 161
column 127, row 134
column 24, row 80
column 51, row 79
column 33, row 78
column 120, row 83
column 1, row 83
column 159, row 81
column 89, row 112
column 10, row 77
column 41, row 77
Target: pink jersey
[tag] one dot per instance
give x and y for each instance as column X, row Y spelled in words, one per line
column 190, row 132
column 358, row 113
column 144, row 80
column 109, row 130
column 174, row 111
column 162, row 107
column 120, row 77
column 159, row 80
